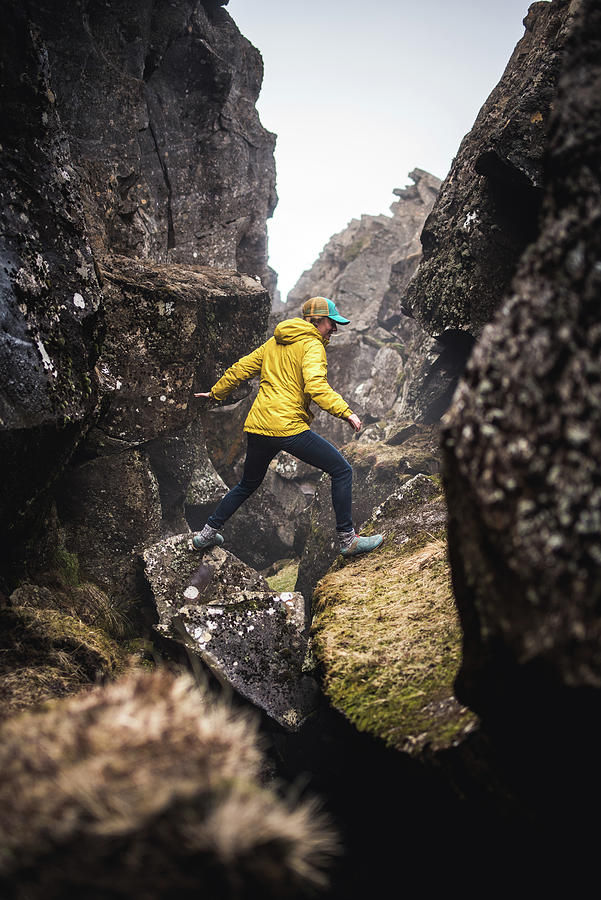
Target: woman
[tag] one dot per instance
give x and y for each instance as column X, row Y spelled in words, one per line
column 293, row 370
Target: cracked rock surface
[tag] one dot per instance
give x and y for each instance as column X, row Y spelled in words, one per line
column 250, row 637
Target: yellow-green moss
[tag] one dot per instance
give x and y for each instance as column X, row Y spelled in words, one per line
column 388, row 642
column 285, row 578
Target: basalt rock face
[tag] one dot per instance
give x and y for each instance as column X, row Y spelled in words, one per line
column 522, row 437
column 487, row 209
column 521, row 448
column 158, row 103
column 169, row 328
column 366, row 358
column 50, row 298
column 133, row 131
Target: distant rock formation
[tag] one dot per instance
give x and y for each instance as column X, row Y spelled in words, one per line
column 366, row 358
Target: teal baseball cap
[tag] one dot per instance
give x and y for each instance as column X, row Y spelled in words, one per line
column 321, row 306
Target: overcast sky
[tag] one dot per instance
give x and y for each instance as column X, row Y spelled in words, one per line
column 361, row 93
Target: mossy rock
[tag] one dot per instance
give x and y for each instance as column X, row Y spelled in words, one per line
column 54, row 641
column 385, row 632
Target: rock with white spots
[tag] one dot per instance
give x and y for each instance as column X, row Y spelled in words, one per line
column 250, row 637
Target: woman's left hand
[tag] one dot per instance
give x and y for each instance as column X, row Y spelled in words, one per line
column 206, row 395
column 355, row 422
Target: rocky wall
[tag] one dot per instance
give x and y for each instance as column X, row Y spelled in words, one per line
column 158, row 104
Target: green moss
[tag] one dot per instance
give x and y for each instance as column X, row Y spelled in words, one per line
column 285, row 579
column 387, row 639
column 67, row 564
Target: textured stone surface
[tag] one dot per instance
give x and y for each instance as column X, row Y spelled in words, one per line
column 385, row 631
column 487, row 209
column 158, row 102
column 223, row 611
column 522, row 441
column 49, row 295
column 170, row 329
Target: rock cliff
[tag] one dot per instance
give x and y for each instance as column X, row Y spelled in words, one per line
column 521, row 444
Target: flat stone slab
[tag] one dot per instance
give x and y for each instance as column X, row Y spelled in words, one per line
column 252, row 638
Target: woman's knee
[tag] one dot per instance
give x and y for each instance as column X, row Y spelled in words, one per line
column 343, row 471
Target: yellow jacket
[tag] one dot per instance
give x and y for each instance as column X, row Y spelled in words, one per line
column 293, row 371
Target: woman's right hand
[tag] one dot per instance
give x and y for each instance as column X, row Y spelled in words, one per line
column 355, row 422
column 207, row 395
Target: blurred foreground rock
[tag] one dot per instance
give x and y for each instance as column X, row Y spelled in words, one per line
column 148, row 789
column 523, row 437
column 250, row 637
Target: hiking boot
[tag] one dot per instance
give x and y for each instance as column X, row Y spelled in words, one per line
column 201, row 542
column 363, row 545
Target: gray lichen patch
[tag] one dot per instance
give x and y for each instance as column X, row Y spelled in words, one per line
column 252, row 638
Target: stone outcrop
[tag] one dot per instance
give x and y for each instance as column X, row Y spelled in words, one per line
column 158, row 104
column 149, row 788
column 132, row 131
column 169, row 329
column 366, row 358
column 487, row 209
column 522, row 437
column 385, row 632
column 250, row 637
column 49, row 297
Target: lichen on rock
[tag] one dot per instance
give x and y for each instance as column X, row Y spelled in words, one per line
column 250, row 637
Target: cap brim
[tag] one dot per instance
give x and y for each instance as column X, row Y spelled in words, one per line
column 340, row 319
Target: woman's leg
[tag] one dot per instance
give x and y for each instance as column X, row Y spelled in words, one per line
column 318, row 452
column 260, row 450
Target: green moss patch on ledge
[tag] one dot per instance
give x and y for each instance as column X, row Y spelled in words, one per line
column 388, row 643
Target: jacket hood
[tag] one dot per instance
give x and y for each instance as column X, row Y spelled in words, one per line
column 292, row 330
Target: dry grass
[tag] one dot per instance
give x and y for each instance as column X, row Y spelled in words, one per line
column 147, row 788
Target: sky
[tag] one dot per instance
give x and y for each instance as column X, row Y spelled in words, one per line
column 361, row 93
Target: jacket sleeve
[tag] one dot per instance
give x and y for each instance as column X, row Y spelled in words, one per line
column 315, row 370
column 246, row 367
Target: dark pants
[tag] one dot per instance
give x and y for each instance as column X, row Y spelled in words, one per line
column 307, row 446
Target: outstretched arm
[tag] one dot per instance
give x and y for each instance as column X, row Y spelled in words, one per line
column 246, row 367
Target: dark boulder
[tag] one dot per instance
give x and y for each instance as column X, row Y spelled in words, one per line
column 253, row 639
column 487, row 209
column 522, row 443
column 49, row 294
